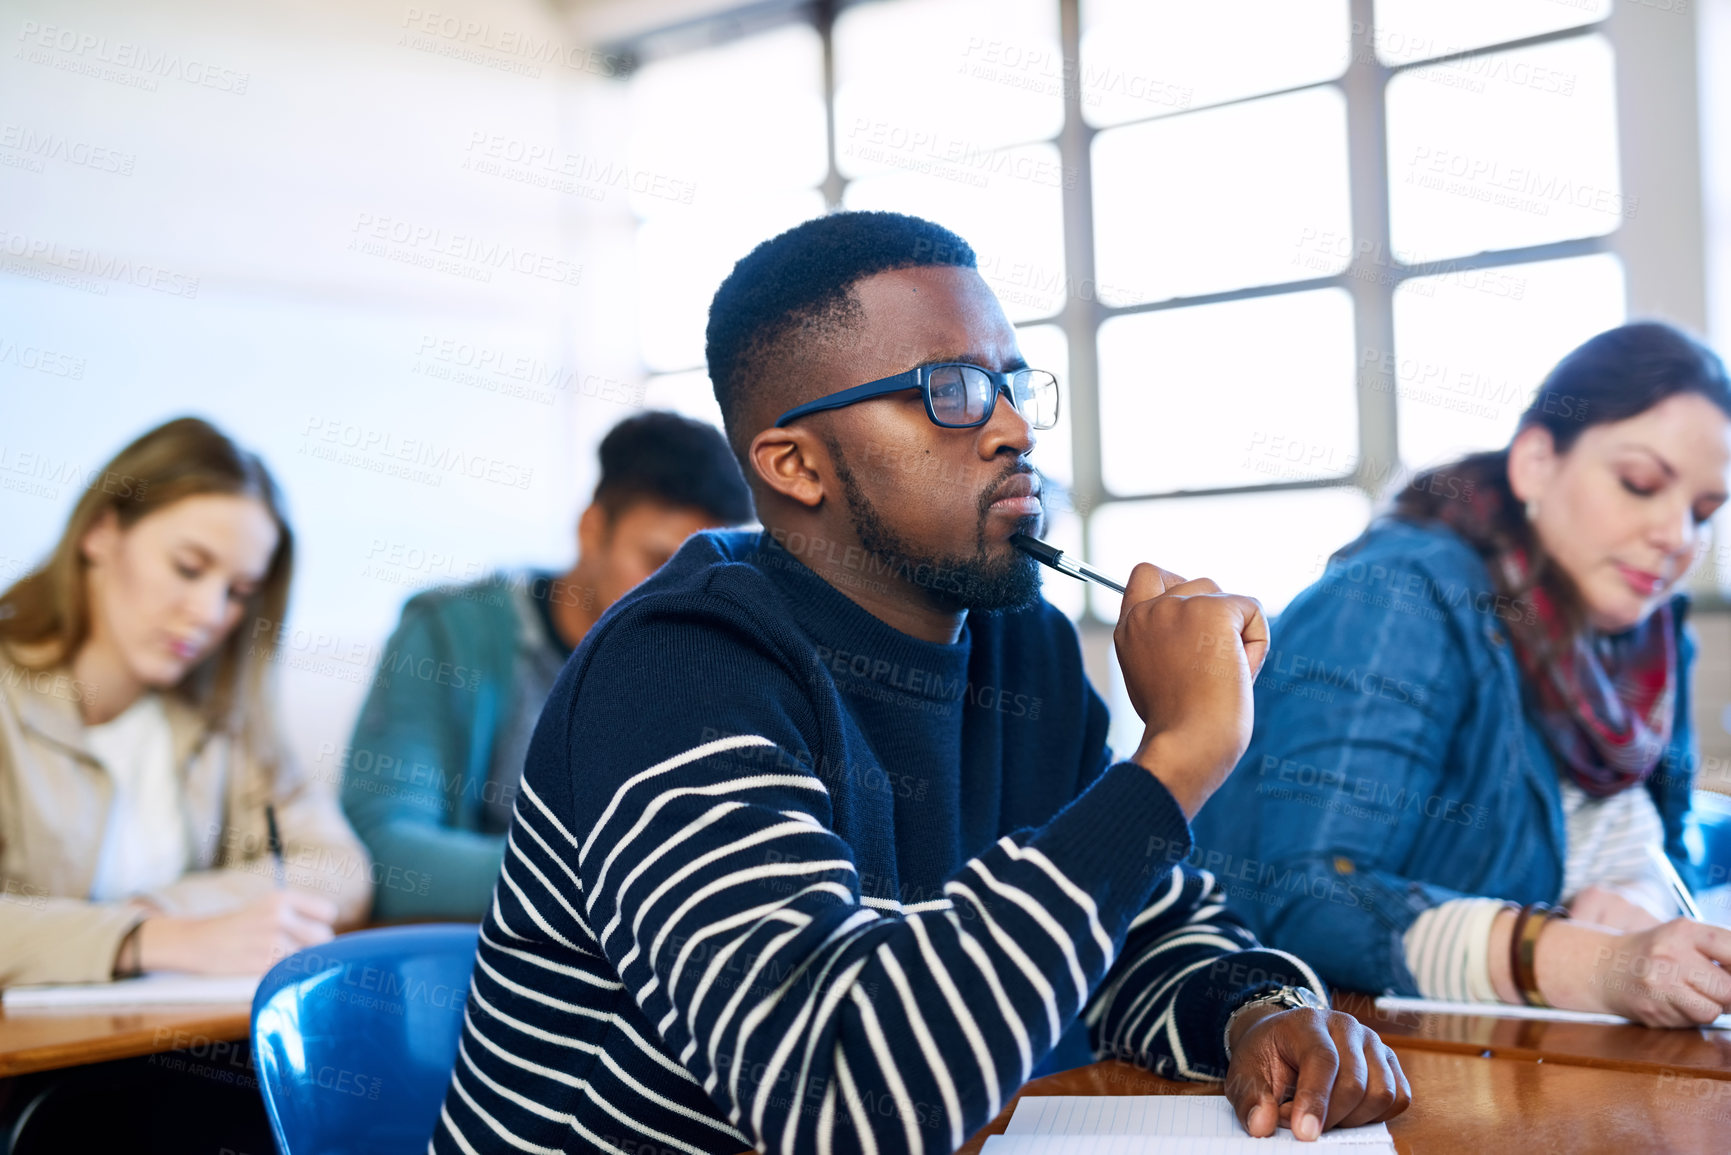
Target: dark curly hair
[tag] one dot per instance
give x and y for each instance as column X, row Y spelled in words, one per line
column 798, row 287
column 672, row 460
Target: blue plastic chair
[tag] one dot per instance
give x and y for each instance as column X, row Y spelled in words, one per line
column 354, row 1040
column 1708, row 837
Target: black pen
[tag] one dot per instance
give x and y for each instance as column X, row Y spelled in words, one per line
column 1056, row 558
column 275, row 842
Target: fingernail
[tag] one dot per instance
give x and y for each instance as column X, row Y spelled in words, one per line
column 1306, row 1127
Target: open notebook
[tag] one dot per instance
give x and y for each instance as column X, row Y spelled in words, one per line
column 1147, row 1124
column 162, row 988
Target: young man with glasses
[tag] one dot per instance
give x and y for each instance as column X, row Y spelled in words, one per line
column 820, row 846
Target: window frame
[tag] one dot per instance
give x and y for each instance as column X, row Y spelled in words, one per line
column 1370, row 278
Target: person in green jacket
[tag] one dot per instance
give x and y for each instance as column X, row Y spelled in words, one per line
column 430, row 776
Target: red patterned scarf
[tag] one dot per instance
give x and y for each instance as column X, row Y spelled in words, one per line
column 1605, row 703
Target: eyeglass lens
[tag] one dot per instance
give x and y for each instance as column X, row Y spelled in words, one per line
column 961, row 395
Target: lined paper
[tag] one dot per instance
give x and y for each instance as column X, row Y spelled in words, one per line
column 1126, row 1124
column 1239, row 1144
column 1395, row 1003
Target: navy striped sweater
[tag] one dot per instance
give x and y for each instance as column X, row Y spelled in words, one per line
column 783, row 877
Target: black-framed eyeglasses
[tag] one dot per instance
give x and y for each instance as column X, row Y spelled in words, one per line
column 957, row 395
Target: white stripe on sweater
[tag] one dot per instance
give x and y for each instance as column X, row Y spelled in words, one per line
column 719, row 746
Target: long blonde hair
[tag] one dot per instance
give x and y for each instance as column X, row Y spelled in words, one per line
column 45, row 615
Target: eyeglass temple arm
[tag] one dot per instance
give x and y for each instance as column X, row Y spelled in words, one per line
column 895, row 384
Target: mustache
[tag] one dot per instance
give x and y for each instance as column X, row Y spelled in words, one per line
column 1015, row 469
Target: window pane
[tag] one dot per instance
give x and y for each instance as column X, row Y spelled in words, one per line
column 1064, row 530
column 1046, row 347
column 1250, row 194
column 682, row 259
column 1471, row 348
column 1211, row 396
column 687, row 114
column 1143, row 58
column 1521, row 152
column 1408, row 30
column 687, row 393
column 1009, row 206
column 1267, row 545
column 920, row 84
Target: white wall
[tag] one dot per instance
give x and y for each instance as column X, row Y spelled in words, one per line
column 258, row 146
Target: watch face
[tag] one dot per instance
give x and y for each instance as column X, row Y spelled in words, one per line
column 1305, row 997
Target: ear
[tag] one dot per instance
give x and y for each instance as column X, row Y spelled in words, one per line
column 1533, row 462
column 791, row 462
column 101, row 539
column 592, row 530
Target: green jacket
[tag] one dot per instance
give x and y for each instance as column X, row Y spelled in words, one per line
column 415, row 777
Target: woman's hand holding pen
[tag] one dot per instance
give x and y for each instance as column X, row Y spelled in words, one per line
column 246, row 941
column 1670, row 975
column 1190, row 654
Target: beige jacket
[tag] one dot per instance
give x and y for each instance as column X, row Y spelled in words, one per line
column 54, row 804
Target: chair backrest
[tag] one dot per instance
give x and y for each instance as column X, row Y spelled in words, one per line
column 354, row 1040
column 1708, row 837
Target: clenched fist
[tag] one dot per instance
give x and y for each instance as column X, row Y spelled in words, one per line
column 1190, row 654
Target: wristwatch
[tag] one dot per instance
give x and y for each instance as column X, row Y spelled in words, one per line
column 1286, row 998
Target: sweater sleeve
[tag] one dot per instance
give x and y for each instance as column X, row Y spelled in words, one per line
column 60, row 940
column 1187, row 965
column 408, row 764
column 713, row 879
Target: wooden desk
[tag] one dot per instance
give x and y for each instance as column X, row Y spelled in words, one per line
column 1470, row 1104
column 1706, row 1053
column 47, row 1039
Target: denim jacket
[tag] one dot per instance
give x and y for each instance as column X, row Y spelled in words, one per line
column 1393, row 765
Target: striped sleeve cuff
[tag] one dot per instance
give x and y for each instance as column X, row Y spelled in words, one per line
column 1448, row 950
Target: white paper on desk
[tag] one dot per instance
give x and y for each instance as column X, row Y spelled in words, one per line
column 1394, row 1003
column 162, row 988
column 1239, row 1144
column 1138, row 1118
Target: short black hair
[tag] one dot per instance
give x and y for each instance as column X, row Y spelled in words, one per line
column 674, row 460
column 799, row 285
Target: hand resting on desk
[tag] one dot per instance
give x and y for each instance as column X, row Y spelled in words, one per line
column 247, row 941
column 1339, row 1072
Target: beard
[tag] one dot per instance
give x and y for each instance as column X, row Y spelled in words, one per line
column 952, row 581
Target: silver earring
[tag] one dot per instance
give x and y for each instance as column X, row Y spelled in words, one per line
column 1533, row 510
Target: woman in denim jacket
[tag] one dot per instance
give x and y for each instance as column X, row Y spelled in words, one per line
column 1481, row 708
